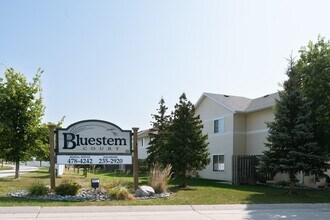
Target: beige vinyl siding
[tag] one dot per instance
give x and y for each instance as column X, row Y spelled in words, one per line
column 142, row 150
column 239, row 134
column 215, row 148
column 256, row 143
column 257, row 131
column 219, row 143
column 256, row 120
column 209, row 109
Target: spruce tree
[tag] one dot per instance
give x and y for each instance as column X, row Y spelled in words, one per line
column 158, row 135
column 291, row 143
column 187, row 147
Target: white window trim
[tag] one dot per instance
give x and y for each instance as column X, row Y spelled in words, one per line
column 221, row 129
column 224, row 162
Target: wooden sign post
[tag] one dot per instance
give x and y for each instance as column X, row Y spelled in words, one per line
column 135, row 159
column 52, row 156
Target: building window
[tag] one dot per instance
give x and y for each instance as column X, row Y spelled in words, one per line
column 218, row 162
column 216, row 126
column 219, row 125
column 142, row 140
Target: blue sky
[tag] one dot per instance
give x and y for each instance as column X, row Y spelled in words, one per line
column 114, row 60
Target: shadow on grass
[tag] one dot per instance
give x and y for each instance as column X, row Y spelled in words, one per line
column 7, row 179
column 192, row 185
column 121, row 174
column 198, row 182
column 40, row 171
column 40, row 177
column 269, row 194
column 175, row 189
column 40, row 174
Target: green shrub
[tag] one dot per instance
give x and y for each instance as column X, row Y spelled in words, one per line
column 143, row 166
column 282, row 183
column 196, row 175
column 120, row 193
column 38, row 189
column 67, row 187
column 159, row 177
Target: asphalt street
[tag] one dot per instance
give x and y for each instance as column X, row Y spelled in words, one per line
column 23, row 169
column 185, row 212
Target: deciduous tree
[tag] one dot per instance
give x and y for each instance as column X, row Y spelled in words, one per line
column 21, row 110
column 41, row 150
column 314, row 70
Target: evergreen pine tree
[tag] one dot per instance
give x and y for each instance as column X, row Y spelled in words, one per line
column 187, row 147
column 290, row 141
column 158, row 135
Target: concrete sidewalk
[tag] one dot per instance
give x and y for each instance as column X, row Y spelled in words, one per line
column 185, row 212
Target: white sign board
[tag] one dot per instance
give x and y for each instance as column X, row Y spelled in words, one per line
column 94, row 137
column 94, row 159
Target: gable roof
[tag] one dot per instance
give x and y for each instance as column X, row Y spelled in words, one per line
column 264, row 102
column 239, row 103
column 144, row 133
column 233, row 103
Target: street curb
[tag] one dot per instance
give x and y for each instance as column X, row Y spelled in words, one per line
column 325, row 207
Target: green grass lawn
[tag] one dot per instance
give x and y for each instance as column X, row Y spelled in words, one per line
column 200, row 191
column 5, row 168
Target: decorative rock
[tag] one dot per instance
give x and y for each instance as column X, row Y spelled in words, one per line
column 144, row 191
column 89, row 195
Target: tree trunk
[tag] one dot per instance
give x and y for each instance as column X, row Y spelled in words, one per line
column 40, row 163
column 2, row 162
column 292, row 183
column 85, row 171
column 17, row 169
column 183, row 181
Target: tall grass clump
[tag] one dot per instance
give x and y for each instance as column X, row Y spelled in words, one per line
column 119, row 189
column 38, row 189
column 159, row 177
column 118, row 183
column 120, row 193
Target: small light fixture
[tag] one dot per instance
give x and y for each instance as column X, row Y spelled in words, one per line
column 95, row 183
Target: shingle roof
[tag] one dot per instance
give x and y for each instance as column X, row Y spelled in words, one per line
column 236, row 103
column 144, row 133
column 241, row 104
column 264, row 102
